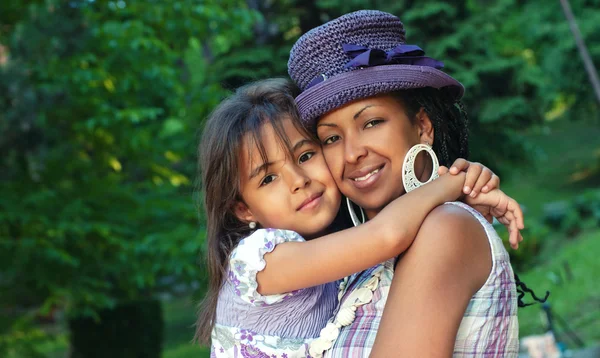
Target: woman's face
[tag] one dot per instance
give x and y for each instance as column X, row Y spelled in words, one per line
column 364, row 144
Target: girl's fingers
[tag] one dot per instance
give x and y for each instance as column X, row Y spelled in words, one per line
column 459, row 165
column 472, row 176
column 517, row 212
column 494, row 183
column 504, row 221
column 483, row 179
column 513, row 235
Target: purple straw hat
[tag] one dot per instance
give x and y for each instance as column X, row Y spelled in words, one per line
column 359, row 55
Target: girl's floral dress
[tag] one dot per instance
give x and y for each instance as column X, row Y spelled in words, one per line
column 249, row 324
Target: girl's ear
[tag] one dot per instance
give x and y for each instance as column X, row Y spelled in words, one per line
column 242, row 212
column 426, row 132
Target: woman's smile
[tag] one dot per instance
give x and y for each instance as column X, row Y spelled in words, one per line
column 367, row 177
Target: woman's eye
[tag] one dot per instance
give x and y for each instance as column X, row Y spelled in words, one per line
column 373, row 123
column 332, row 139
column 268, row 179
column 305, row 156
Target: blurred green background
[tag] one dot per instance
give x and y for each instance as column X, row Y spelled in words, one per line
column 101, row 103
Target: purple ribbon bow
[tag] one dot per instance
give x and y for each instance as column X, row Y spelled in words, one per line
column 366, row 57
column 402, row 54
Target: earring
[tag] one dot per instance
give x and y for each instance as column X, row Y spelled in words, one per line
column 409, row 178
column 252, row 225
column 353, row 215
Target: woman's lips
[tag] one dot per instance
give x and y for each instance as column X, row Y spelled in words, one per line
column 368, row 179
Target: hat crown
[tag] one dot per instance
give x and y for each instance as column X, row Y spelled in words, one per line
column 319, row 51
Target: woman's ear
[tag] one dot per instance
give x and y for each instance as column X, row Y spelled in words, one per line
column 426, row 132
column 242, row 212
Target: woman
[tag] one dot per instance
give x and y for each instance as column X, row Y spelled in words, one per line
column 374, row 101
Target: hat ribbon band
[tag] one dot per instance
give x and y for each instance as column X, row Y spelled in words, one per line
column 400, row 55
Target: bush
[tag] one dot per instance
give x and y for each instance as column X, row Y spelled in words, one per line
column 596, row 215
column 533, row 239
column 555, row 213
column 132, row 330
column 565, row 216
column 571, row 225
column 23, row 339
column 587, row 203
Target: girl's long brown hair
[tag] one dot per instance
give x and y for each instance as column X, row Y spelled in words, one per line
column 238, row 117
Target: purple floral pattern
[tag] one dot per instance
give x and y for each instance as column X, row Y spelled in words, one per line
column 252, row 352
column 236, row 342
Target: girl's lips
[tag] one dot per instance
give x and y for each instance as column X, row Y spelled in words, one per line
column 311, row 202
column 368, row 182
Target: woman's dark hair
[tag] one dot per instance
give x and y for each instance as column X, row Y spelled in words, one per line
column 448, row 117
column 451, row 132
column 235, row 125
column 522, row 289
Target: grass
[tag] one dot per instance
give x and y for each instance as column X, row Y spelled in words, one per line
column 574, row 290
column 567, row 164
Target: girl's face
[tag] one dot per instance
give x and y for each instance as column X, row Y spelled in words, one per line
column 294, row 192
column 364, row 144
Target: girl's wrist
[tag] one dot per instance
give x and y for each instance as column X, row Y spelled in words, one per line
column 452, row 186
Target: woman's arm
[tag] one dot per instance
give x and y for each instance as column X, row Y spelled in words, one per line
column 448, row 262
column 296, row 265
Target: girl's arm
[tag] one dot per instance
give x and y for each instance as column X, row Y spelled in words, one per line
column 433, row 283
column 480, row 179
column 295, row 265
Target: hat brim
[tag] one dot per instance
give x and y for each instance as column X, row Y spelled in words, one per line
column 349, row 86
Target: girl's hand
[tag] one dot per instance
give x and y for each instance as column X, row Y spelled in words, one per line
column 504, row 208
column 480, row 179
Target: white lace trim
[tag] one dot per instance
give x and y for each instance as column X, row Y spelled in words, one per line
column 346, row 314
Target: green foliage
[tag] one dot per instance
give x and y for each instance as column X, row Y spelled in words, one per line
column 534, row 237
column 23, row 339
column 98, row 105
column 555, row 214
column 180, row 316
column 568, row 216
column 588, row 203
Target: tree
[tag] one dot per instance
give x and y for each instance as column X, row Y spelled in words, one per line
column 98, row 105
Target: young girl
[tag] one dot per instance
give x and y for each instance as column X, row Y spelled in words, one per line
column 270, row 203
column 374, row 100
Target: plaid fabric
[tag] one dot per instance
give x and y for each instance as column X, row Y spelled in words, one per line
column 356, row 340
column 489, row 327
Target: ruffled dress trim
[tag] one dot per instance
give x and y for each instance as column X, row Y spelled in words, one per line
column 247, row 260
column 346, row 313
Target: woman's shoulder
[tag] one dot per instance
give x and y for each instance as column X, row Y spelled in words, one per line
column 456, row 218
column 459, row 240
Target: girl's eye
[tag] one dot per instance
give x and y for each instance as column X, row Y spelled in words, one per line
column 331, row 140
column 268, row 179
column 373, row 123
column 305, row 156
